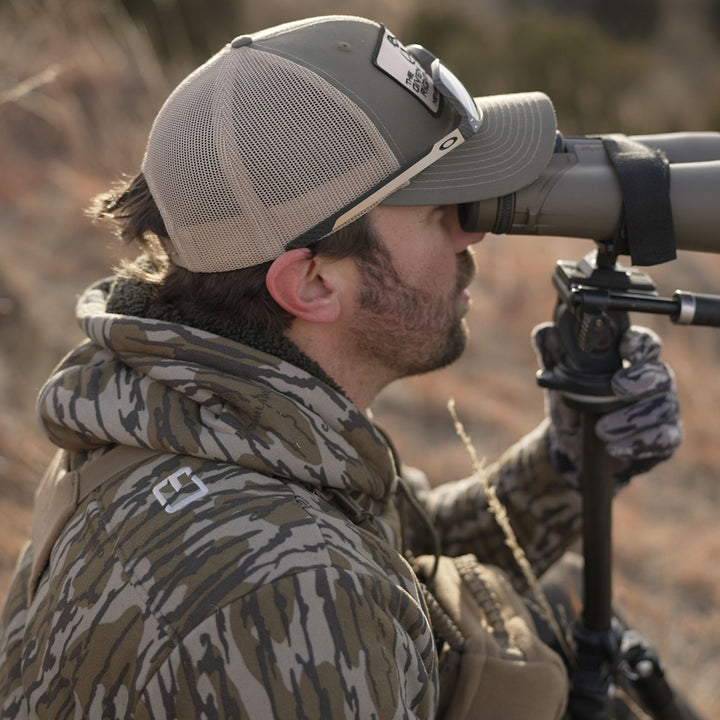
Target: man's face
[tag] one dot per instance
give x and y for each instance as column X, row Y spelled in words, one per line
column 411, row 305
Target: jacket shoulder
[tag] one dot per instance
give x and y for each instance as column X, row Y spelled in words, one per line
column 163, row 554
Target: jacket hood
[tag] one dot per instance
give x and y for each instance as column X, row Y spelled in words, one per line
column 150, row 383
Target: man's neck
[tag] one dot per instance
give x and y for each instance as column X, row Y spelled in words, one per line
column 360, row 381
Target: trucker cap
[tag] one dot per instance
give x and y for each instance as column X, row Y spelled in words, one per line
column 286, row 135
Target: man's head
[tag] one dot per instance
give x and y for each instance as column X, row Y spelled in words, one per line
column 306, row 179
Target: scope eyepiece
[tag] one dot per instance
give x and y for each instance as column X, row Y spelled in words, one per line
column 468, row 216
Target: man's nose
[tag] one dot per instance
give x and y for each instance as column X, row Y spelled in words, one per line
column 463, row 240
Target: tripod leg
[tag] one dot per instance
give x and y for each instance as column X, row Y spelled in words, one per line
column 596, row 641
column 597, row 487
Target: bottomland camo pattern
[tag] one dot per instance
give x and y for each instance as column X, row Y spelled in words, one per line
column 214, row 578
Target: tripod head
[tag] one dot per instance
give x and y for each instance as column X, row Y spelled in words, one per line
column 595, row 296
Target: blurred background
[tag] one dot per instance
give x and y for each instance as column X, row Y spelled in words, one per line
column 80, row 82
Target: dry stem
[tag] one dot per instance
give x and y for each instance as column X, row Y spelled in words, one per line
column 500, row 513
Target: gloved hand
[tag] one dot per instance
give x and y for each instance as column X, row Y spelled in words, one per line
column 642, row 433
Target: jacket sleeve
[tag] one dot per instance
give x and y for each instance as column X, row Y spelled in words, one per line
column 545, row 513
column 322, row 643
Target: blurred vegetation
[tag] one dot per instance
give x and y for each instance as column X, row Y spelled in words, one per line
column 605, row 63
column 585, row 71
column 597, row 59
column 621, row 18
column 191, row 28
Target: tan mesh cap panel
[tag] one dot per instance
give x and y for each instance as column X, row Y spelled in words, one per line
column 251, row 151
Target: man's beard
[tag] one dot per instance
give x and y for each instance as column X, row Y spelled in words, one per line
column 407, row 329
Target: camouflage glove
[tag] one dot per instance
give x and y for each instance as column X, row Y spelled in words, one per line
column 640, row 434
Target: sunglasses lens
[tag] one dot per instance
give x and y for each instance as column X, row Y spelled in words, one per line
column 456, row 93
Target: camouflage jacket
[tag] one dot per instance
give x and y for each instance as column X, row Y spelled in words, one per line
column 233, row 573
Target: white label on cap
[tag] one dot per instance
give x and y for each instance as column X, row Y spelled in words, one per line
column 393, row 59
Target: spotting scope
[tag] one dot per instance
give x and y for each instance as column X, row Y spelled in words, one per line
column 579, row 194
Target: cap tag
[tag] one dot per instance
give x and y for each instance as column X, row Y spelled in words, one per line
column 395, row 61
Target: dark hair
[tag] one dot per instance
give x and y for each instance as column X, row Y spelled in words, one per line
column 240, row 295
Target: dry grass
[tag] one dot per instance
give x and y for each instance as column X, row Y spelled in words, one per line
column 78, row 90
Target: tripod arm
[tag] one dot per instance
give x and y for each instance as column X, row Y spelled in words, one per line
column 683, row 308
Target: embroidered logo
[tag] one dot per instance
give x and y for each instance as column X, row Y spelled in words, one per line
column 183, row 487
column 394, row 60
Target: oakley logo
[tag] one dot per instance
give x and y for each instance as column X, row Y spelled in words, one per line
column 448, row 143
column 183, row 487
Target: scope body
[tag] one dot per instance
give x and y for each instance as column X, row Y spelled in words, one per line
column 578, row 193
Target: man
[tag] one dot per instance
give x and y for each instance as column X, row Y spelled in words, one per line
column 225, row 532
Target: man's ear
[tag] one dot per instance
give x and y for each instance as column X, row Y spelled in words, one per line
column 297, row 283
